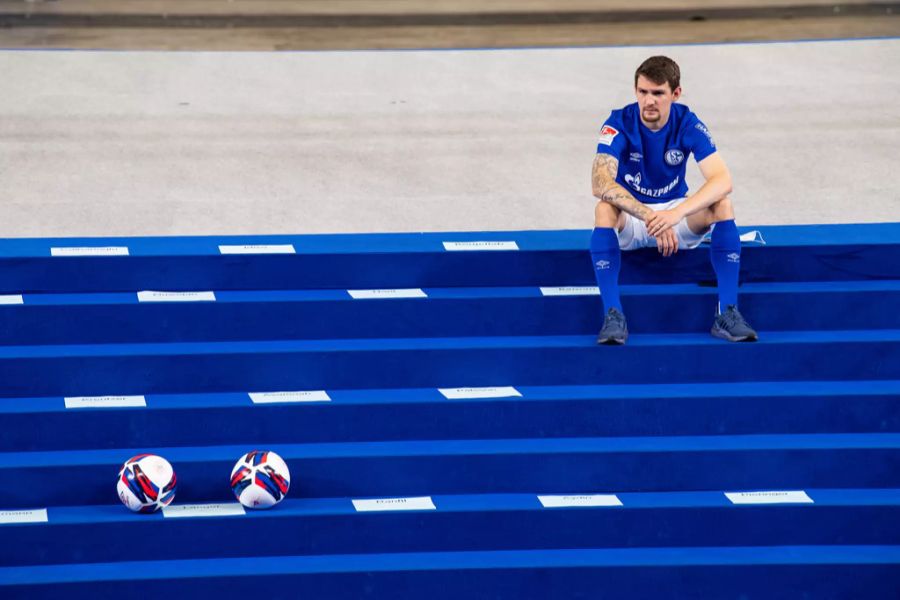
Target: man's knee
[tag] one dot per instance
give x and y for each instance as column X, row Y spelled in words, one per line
column 607, row 215
column 700, row 222
column 722, row 210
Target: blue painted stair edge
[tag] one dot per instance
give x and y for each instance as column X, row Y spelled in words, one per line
column 102, row 369
column 40, row 424
column 415, row 468
column 312, row 526
column 437, row 312
column 791, row 253
column 711, row 573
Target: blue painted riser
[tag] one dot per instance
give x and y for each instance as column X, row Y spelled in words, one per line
column 770, row 573
column 119, row 318
column 798, row 253
column 448, row 362
column 389, row 469
column 385, row 415
column 108, row 533
column 813, row 406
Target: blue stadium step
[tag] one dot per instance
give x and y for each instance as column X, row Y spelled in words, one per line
column 417, row 468
column 749, row 573
column 91, row 534
column 91, row 370
column 439, row 312
column 559, row 258
column 426, row 414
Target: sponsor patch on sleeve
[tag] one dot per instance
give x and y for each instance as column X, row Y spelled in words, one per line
column 608, row 134
column 706, row 132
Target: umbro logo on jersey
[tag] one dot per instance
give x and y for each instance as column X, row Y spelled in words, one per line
column 733, row 257
column 602, row 264
column 636, row 156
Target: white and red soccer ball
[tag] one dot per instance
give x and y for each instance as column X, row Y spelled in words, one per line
column 260, row 479
column 146, row 483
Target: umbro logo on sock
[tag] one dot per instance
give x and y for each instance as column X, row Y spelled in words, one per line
column 602, row 264
column 734, row 257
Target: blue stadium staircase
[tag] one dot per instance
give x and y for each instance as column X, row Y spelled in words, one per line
column 451, row 427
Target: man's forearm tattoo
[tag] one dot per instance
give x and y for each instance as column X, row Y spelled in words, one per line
column 625, row 201
column 606, row 188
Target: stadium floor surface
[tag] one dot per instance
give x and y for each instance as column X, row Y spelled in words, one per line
column 310, row 142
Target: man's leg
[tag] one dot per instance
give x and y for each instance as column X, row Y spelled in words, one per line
column 605, row 252
column 607, row 259
column 725, row 255
column 725, row 249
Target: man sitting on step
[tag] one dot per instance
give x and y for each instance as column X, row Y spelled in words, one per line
column 639, row 180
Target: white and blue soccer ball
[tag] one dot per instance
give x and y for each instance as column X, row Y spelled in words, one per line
column 146, row 483
column 260, row 479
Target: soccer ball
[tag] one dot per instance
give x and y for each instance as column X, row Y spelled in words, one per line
column 260, row 479
column 146, row 483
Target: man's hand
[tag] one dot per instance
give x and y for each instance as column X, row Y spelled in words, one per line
column 667, row 242
column 663, row 220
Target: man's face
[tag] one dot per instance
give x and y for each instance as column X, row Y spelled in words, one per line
column 655, row 100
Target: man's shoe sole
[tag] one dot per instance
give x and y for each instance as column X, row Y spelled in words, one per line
column 612, row 341
column 724, row 335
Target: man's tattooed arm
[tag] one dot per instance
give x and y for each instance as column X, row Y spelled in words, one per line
column 605, row 187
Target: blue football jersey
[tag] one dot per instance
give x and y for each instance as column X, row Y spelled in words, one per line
column 652, row 163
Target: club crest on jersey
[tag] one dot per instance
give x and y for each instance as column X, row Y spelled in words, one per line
column 608, row 134
column 674, row 157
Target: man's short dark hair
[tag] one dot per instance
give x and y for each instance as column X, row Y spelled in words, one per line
column 660, row 70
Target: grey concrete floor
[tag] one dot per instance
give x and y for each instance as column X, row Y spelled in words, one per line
column 153, row 143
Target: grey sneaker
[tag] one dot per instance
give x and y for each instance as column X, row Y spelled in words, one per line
column 731, row 325
column 615, row 330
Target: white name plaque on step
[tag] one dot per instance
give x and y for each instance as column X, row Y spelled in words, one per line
column 12, row 299
column 479, row 392
column 178, row 511
column 23, row 516
column 258, row 249
column 773, row 497
column 754, row 236
column 588, row 500
column 571, row 291
column 390, row 504
column 276, row 397
column 457, row 246
column 105, row 401
column 375, row 294
column 148, row 296
column 90, row 251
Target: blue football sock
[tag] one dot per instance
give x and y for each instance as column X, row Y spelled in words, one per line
column 725, row 254
column 607, row 260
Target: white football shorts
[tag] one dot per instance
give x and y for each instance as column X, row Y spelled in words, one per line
column 634, row 235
